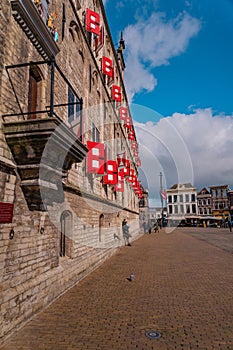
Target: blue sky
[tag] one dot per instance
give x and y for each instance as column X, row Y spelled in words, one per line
column 179, row 78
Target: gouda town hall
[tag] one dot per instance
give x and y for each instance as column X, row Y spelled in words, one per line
column 69, row 155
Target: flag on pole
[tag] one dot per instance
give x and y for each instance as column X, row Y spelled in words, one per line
column 164, row 194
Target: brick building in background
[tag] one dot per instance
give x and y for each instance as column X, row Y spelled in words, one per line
column 230, row 202
column 204, row 202
column 220, row 201
column 69, row 155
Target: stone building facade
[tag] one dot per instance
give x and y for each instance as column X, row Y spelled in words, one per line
column 230, row 201
column 220, row 203
column 144, row 211
column 204, row 202
column 181, row 202
column 63, row 119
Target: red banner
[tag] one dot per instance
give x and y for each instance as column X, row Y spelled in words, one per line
column 92, row 22
column 107, row 66
column 128, row 123
column 123, row 113
column 119, row 187
column 95, row 158
column 131, row 136
column 111, row 177
column 116, row 93
column 127, row 167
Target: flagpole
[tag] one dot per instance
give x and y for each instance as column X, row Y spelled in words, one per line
column 161, row 197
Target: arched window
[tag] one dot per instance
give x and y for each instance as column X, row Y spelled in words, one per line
column 34, row 91
column 74, row 31
column 66, row 233
column 101, row 223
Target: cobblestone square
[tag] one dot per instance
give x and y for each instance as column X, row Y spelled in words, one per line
column 182, row 289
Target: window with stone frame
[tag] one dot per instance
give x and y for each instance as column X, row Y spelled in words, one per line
column 34, row 91
column 95, row 133
column 66, row 242
column 74, row 113
column 78, row 4
column 194, row 209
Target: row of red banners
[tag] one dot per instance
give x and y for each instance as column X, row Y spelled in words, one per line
column 93, row 26
column 96, row 160
column 114, row 172
column 125, row 117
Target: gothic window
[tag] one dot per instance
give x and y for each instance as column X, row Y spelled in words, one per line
column 66, row 234
column 95, row 133
column 101, row 223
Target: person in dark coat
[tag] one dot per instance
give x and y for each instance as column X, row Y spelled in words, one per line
column 125, row 231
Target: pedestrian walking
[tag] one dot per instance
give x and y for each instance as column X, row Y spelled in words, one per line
column 230, row 224
column 125, row 231
column 144, row 226
column 156, row 227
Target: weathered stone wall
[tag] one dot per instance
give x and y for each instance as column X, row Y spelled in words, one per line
column 32, row 273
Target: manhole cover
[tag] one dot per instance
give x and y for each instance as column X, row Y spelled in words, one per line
column 153, row 334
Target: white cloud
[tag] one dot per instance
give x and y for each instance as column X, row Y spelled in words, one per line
column 139, row 78
column 194, row 148
column 153, row 42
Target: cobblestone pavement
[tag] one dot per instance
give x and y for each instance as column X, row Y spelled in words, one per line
column 221, row 238
column 182, row 288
